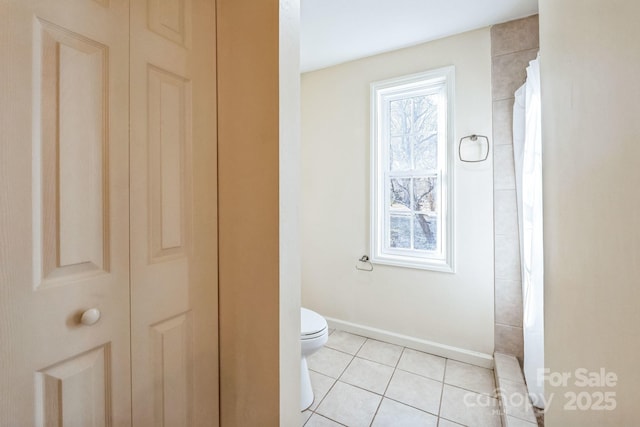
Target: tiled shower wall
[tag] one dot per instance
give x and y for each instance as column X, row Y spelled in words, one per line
column 513, row 45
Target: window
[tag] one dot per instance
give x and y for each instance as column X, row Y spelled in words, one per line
column 412, row 185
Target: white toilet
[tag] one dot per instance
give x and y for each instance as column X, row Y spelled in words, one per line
column 313, row 335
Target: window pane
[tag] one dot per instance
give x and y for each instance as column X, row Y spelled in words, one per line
column 425, row 194
column 399, row 194
column 425, row 151
column 426, row 232
column 400, row 116
column 400, row 232
column 399, row 153
column 425, row 114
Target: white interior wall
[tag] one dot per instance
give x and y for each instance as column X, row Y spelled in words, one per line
column 452, row 313
column 590, row 63
column 289, row 189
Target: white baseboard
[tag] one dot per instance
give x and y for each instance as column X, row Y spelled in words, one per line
column 460, row 354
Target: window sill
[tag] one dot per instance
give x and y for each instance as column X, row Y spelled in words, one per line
column 429, row 265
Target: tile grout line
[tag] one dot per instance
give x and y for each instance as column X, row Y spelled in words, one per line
column 410, row 406
column 444, row 375
column 330, row 419
column 376, row 361
column 515, row 52
column 335, row 381
column 420, row 375
column 442, row 394
column 353, row 356
column 384, row 393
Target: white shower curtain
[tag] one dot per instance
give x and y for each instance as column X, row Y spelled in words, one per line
column 527, row 150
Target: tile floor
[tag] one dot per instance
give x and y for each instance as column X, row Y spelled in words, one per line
column 361, row 382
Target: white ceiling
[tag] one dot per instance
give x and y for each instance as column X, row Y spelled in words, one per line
column 336, row 31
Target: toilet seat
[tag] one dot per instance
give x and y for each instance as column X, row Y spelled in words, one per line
column 312, row 325
column 313, row 336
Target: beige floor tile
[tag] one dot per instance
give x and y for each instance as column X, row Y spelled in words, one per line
column 304, row 417
column 349, row 405
column 381, row 352
column 320, row 421
column 469, row 408
column 470, row 377
column 345, row 342
column 415, row 394
column 424, row 364
column 320, row 384
column 415, row 390
column 369, row 375
column 329, row 362
column 394, row 414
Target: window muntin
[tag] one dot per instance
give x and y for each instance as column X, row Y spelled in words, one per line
column 411, row 206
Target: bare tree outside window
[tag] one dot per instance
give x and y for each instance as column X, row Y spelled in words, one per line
column 413, row 152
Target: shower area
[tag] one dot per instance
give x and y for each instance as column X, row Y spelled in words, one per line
column 518, row 204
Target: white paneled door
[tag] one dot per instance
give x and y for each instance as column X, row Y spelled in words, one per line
column 108, row 272
column 173, row 213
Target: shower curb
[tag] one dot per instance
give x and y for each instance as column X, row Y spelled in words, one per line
column 516, row 408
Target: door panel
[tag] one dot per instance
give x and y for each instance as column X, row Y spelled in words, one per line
column 169, row 143
column 64, row 213
column 173, row 213
column 71, row 94
column 173, row 361
column 76, row 392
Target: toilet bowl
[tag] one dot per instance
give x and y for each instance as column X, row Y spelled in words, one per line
column 314, row 333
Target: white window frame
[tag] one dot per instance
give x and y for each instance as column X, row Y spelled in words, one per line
column 435, row 81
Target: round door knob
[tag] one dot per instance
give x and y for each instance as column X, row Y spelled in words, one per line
column 90, row 317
